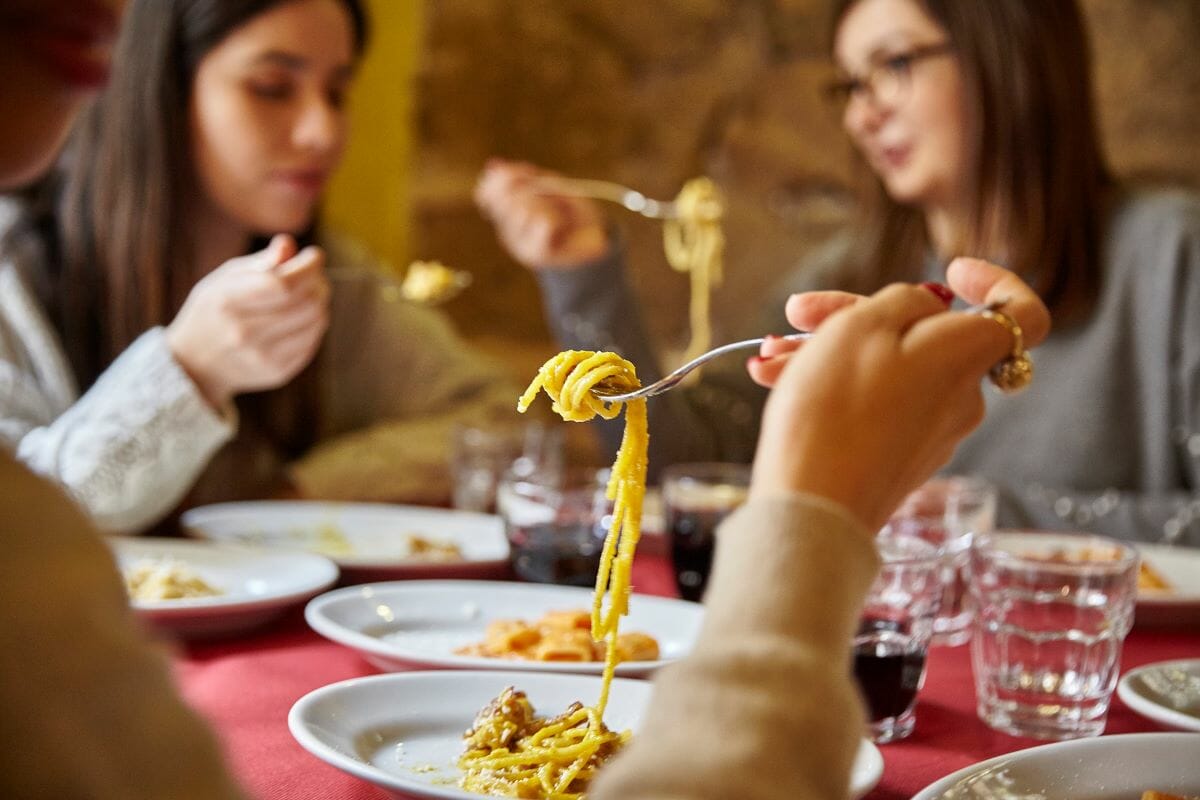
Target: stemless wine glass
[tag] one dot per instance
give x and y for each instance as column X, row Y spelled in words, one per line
column 696, row 499
column 894, row 633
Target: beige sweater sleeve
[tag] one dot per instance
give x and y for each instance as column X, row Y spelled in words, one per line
column 87, row 707
column 765, row 706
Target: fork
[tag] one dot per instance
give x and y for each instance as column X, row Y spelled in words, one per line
column 671, row 380
column 631, row 199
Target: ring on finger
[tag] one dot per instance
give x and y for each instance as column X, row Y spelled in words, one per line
column 1015, row 372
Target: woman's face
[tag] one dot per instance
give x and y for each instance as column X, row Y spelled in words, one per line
column 267, row 119
column 910, row 117
column 54, row 55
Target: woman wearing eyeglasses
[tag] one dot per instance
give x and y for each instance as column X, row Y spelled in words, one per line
column 976, row 119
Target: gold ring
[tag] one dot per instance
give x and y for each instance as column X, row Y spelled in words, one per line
column 1015, row 372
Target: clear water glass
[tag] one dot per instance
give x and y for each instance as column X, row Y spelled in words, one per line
column 949, row 512
column 1052, row 612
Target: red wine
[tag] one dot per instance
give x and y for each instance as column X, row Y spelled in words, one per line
column 554, row 553
column 693, row 536
column 888, row 677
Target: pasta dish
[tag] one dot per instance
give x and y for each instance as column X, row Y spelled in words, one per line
column 555, row 759
column 557, row 636
column 694, row 243
column 165, row 579
column 524, row 754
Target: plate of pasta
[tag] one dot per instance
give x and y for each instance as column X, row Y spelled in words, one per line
column 1168, row 586
column 369, row 541
column 192, row 588
column 404, row 732
column 499, row 625
column 1120, row 767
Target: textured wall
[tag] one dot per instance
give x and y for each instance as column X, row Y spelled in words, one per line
column 652, row 93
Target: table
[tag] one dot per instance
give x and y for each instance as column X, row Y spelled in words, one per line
column 245, row 687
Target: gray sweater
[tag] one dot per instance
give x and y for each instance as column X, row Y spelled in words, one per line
column 1107, row 438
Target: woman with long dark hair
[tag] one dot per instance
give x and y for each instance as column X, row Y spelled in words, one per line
column 220, row 127
column 975, row 124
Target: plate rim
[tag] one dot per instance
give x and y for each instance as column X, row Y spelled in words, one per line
column 216, row 605
column 364, row 644
column 192, row 529
column 938, row 788
column 873, row 770
column 1144, row 706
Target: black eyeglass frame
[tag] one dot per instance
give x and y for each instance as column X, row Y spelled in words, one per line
column 897, row 67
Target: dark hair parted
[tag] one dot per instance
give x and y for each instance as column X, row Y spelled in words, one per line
column 1043, row 188
column 120, row 260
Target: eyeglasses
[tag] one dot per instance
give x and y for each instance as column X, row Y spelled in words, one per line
column 886, row 82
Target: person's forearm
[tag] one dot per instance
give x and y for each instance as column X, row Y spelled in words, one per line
column 130, row 448
column 764, row 707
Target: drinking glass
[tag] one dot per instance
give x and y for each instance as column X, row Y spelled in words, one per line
column 894, row 633
column 481, row 456
column 696, row 499
column 1052, row 612
column 556, row 525
column 949, row 512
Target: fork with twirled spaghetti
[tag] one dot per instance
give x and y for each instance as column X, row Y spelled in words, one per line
column 670, row 381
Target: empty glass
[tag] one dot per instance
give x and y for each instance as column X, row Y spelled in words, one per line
column 949, row 512
column 1052, row 612
column 481, row 456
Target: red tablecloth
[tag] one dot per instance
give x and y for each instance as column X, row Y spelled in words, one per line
column 245, row 687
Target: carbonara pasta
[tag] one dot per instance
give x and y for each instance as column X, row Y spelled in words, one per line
column 556, row 758
column 694, row 243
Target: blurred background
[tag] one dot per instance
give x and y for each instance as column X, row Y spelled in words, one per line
column 651, row 94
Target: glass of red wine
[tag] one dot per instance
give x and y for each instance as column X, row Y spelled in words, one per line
column 556, row 524
column 696, row 499
column 894, row 633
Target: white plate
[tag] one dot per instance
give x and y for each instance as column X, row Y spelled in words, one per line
column 1107, row 768
column 256, row 585
column 421, row 623
column 403, row 732
column 366, row 537
column 1180, row 606
column 1153, row 698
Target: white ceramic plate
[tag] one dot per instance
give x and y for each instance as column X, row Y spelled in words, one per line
column 421, row 623
column 360, row 537
column 1167, row 692
column 256, row 585
column 1106, row 768
column 403, row 732
column 1181, row 605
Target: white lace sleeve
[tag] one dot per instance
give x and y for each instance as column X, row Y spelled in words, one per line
column 130, row 448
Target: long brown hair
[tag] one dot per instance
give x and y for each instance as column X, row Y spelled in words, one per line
column 1041, row 176
column 119, row 261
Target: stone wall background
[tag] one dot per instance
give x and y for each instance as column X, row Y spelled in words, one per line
column 653, row 93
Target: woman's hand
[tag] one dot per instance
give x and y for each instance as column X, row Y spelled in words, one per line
column 254, row 322
column 872, row 405
column 539, row 230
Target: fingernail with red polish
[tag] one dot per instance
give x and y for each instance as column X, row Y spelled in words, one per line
column 941, row 290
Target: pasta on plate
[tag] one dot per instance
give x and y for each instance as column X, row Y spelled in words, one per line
column 557, row 636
